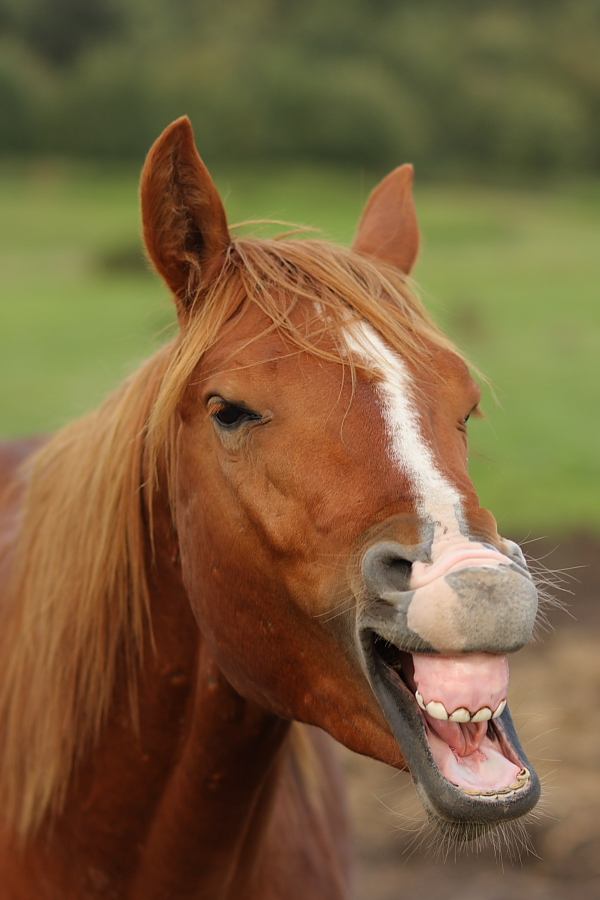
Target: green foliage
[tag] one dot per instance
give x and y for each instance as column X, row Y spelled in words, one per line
column 501, row 87
column 58, row 31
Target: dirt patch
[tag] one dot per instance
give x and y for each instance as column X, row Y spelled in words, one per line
column 555, row 701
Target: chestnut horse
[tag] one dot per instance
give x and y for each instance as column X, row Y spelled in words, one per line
column 268, row 527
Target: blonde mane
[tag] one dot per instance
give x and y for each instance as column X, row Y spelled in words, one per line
column 78, row 603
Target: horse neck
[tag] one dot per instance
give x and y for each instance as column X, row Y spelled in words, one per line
column 214, row 755
column 212, row 820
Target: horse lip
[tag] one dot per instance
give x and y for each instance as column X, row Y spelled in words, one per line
column 464, row 817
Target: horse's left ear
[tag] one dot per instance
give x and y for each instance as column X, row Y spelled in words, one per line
column 389, row 230
column 185, row 227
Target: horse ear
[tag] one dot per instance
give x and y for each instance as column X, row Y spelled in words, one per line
column 185, row 227
column 389, row 230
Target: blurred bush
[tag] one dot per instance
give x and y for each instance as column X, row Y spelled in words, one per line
column 501, row 86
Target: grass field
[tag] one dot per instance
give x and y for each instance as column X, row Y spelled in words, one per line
column 513, row 275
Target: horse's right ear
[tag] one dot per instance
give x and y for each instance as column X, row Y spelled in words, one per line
column 185, row 227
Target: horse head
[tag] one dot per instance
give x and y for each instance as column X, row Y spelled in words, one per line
column 332, row 545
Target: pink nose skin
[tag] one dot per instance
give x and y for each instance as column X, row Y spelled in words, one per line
column 453, row 556
column 470, row 598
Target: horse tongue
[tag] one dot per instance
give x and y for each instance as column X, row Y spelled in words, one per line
column 464, row 740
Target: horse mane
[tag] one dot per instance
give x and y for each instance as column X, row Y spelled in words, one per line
column 78, row 602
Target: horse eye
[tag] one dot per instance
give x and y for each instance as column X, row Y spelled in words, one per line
column 230, row 415
column 466, row 419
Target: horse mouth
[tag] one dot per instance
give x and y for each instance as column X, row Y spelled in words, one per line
column 470, row 776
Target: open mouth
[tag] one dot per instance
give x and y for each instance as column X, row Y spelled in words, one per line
column 451, row 720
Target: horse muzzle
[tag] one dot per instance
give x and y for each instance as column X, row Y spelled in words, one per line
column 471, row 599
column 434, row 634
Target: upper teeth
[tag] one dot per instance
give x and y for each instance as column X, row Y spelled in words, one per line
column 437, row 710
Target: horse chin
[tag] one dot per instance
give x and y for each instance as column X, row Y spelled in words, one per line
column 509, row 787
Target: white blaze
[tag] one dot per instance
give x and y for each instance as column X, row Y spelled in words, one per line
column 436, row 498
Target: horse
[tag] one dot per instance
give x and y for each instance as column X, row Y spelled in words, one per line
column 265, row 541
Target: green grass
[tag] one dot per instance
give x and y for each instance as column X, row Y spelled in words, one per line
column 519, row 276
column 513, row 276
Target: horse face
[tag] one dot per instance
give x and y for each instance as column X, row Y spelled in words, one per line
column 333, row 548
column 292, row 471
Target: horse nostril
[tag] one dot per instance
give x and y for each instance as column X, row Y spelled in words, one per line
column 387, row 567
column 398, row 573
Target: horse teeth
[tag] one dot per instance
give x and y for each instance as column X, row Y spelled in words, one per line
column 460, row 715
column 500, row 709
column 436, row 710
column 499, row 793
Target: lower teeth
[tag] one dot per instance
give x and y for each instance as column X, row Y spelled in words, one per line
column 522, row 779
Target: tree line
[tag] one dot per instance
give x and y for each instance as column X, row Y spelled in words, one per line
column 454, row 85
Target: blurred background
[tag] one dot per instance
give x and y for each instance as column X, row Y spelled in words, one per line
column 299, row 109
